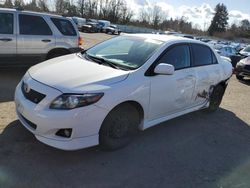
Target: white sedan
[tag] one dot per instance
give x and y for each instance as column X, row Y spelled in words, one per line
column 106, row 94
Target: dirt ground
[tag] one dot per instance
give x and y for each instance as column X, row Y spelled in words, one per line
column 195, row 150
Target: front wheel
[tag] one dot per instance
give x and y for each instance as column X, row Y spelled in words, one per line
column 216, row 98
column 119, row 127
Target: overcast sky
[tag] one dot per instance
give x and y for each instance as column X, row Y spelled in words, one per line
column 197, row 11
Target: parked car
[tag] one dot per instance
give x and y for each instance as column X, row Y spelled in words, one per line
column 91, row 27
column 245, row 51
column 103, row 24
column 117, row 87
column 242, row 69
column 80, row 22
column 112, row 29
column 230, row 52
column 27, row 37
column 226, row 51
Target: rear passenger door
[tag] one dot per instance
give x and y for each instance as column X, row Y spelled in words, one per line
column 35, row 38
column 7, row 38
column 207, row 71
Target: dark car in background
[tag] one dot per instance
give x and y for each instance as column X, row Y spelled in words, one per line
column 91, row 27
column 242, row 69
column 112, row 29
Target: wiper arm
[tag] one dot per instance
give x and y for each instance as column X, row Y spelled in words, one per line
column 103, row 61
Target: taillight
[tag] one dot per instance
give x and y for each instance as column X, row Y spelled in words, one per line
column 80, row 41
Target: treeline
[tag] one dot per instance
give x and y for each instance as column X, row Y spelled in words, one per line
column 118, row 11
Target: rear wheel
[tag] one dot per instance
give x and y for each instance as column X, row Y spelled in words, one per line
column 216, row 98
column 119, row 127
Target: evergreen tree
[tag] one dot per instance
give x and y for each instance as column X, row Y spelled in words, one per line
column 220, row 20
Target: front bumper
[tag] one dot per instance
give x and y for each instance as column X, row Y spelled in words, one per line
column 44, row 122
column 242, row 70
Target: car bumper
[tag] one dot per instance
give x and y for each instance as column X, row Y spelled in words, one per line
column 241, row 71
column 44, row 122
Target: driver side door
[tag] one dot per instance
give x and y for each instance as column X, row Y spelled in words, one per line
column 172, row 93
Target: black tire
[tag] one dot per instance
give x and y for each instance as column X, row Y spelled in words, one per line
column 239, row 77
column 119, row 127
column 216, row 98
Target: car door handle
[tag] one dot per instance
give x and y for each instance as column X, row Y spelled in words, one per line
column 46, row 40
column 5, row 39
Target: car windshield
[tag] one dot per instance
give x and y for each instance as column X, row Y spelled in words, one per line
column 129, row 52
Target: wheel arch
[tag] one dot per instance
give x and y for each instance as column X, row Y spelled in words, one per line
column 57, row 50
column 137, row 106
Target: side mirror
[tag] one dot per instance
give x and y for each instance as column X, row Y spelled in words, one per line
column 165, row 69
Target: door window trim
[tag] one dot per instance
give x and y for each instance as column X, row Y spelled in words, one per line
column 18, row 19
column 211, row 53
column 150, row 70
column 13, row 23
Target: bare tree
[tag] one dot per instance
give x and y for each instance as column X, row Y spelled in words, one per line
column 81, row 7
column 8, row 4
column 18, row 3
column 43, row 5
column 60, row 6
column 157, row 16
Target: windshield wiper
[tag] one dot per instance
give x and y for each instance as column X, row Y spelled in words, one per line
column 103, row 61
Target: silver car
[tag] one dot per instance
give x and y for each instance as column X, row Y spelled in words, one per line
column 27, row 37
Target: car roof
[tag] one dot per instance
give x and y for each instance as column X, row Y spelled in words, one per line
column 167, row 38
column 30, row 12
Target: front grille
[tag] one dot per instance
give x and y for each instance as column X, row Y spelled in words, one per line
column 32, row 95
column 32, row 125
column 247, row 67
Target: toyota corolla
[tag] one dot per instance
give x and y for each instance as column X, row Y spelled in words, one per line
column 105, row 94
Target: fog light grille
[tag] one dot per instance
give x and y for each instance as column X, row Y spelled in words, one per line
column 66, row 133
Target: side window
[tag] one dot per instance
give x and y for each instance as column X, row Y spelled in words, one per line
column 64, row 26
column 178, row 56
column 214, row 58
column 33, row 25
column 202, row 55
column 6, row 23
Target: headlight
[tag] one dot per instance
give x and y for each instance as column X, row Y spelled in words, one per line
column 71, row 101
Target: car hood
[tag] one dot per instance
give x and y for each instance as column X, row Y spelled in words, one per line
column 245, row 53
column 72, row 73
column 246, row 61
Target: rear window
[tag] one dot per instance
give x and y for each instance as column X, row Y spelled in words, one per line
column 33, row 25
column 202, row 55
column 6, row 23
column 64, row 26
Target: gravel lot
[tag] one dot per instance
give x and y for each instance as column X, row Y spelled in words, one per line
column 195, row 150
